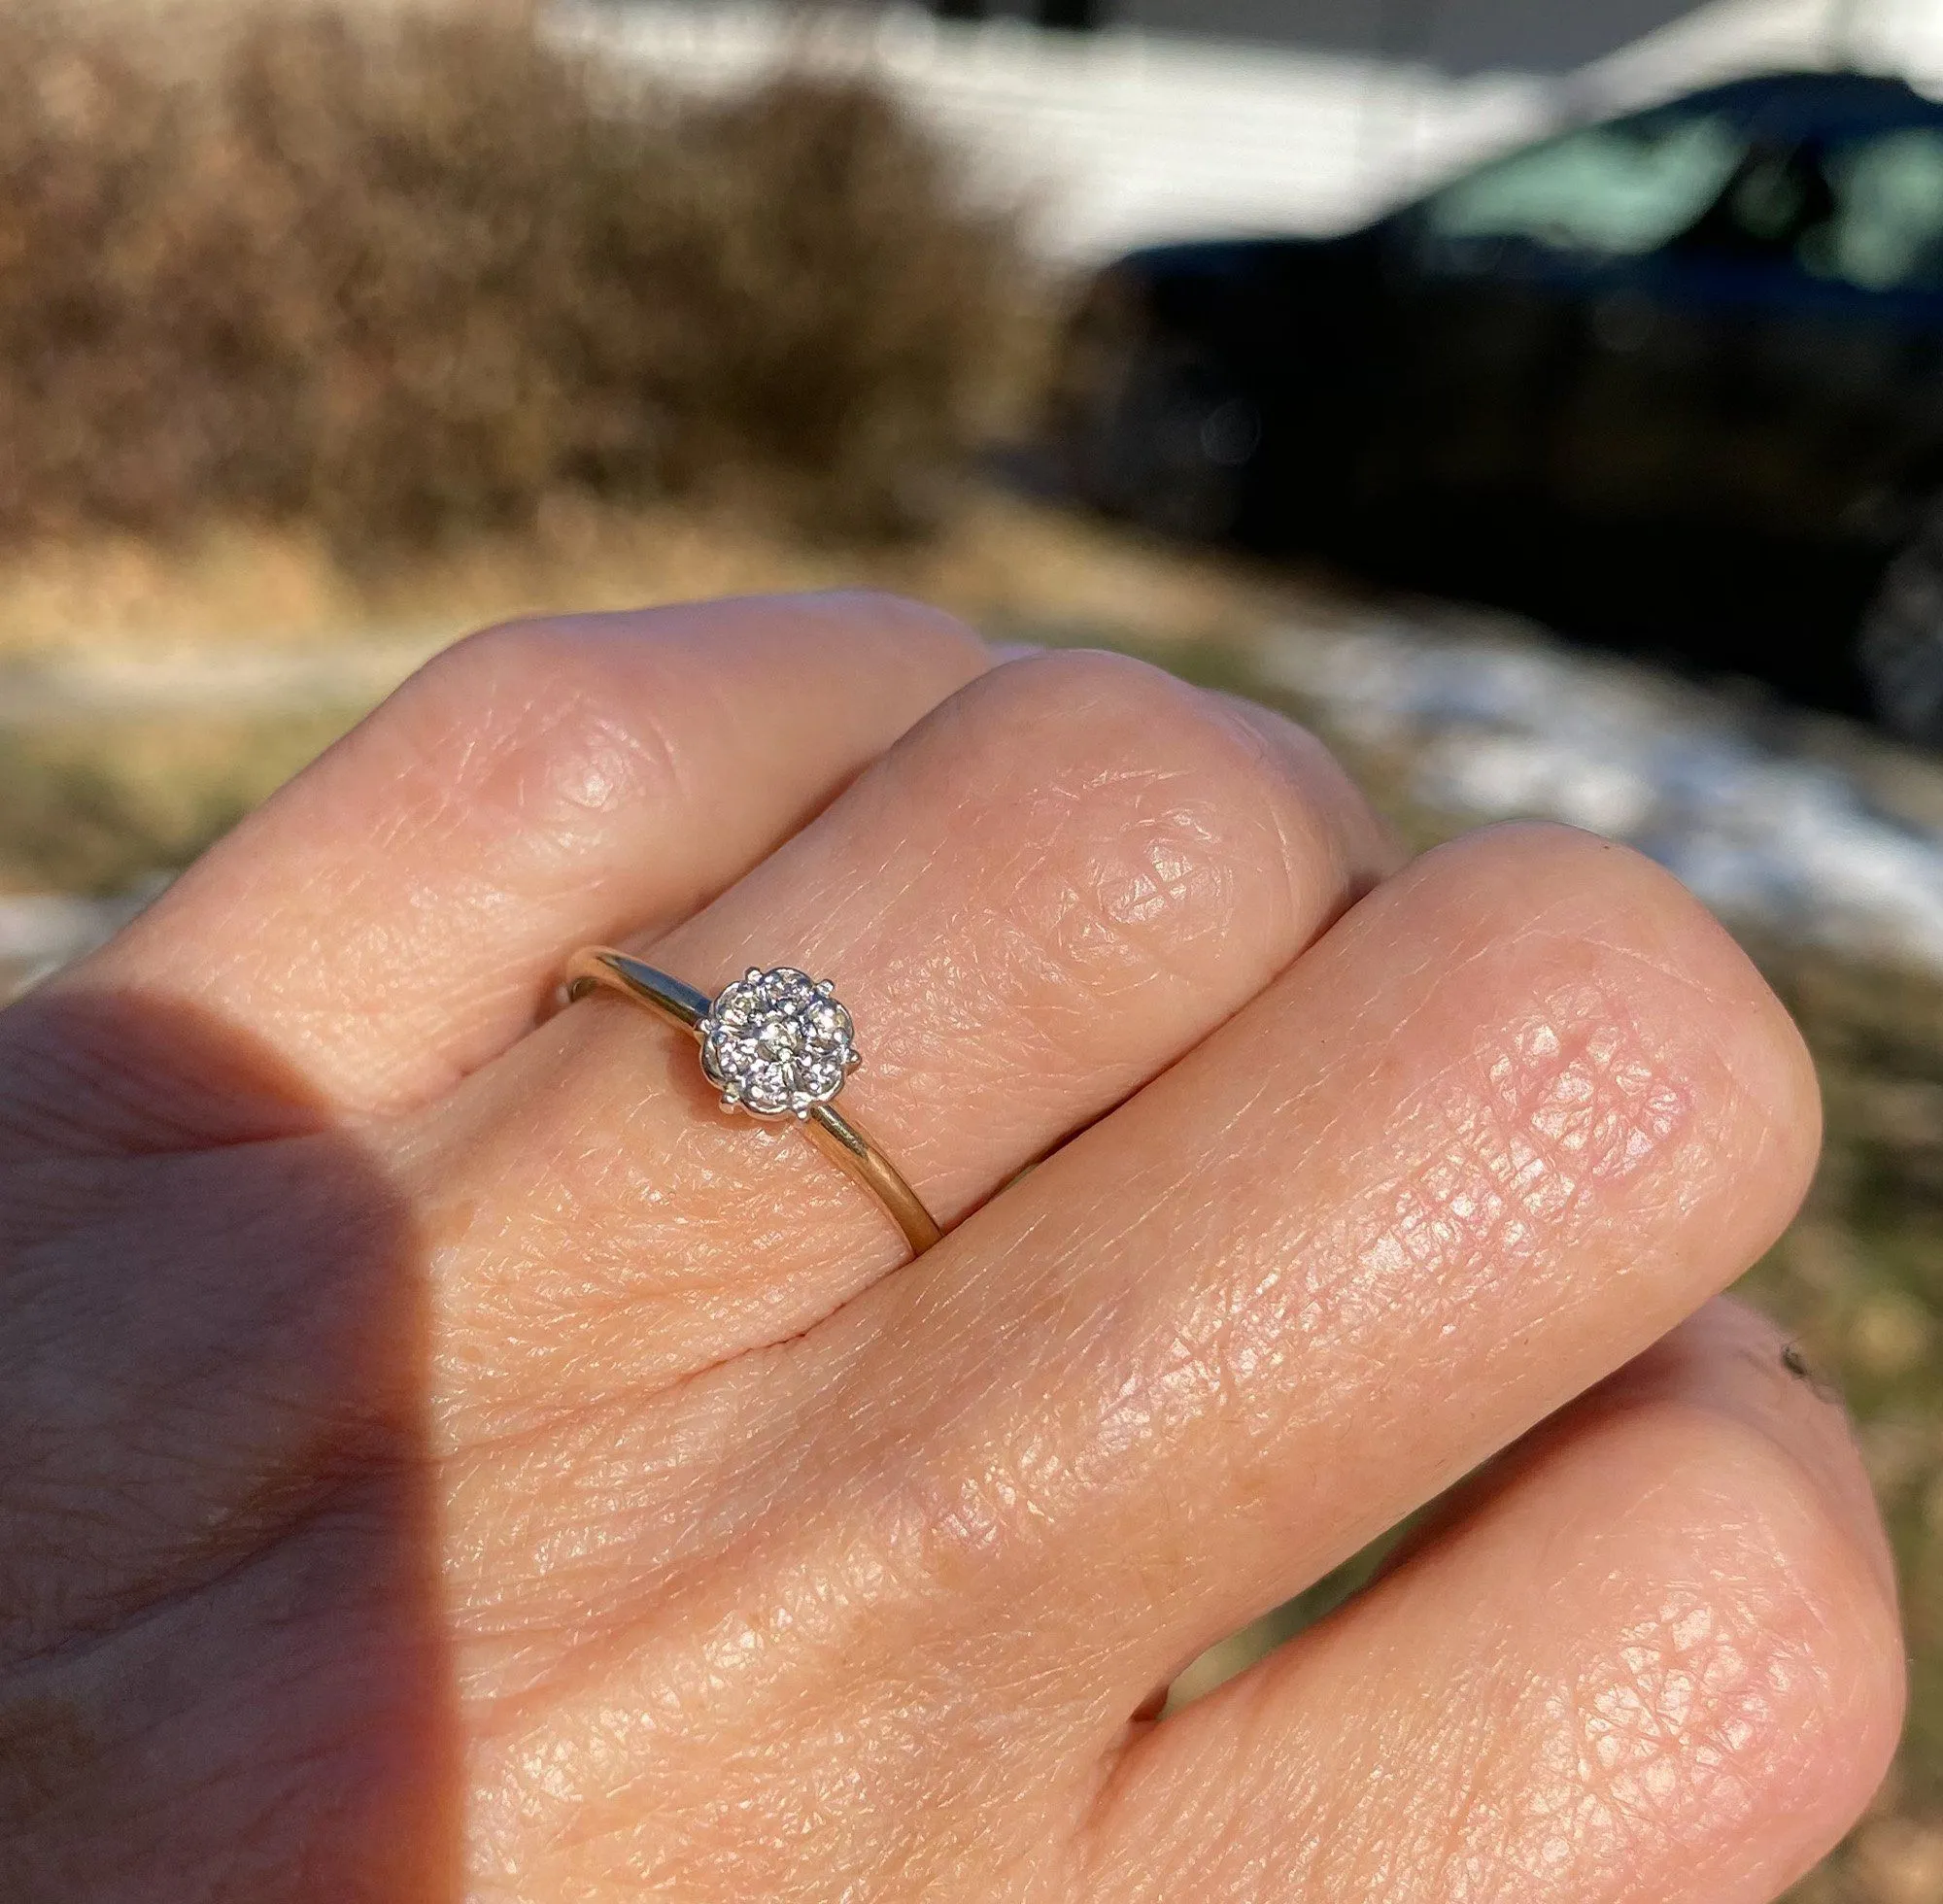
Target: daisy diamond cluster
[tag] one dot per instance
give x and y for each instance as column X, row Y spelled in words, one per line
column 777, row 1043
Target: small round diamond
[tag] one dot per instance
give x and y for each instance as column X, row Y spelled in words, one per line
column 777, row 1043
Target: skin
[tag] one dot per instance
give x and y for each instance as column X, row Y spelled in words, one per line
column 442, row 1456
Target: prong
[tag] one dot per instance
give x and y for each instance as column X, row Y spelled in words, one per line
column 828, row 987
column 731, row 1094
column 802, row 1115
column 852, row 1059
column 750, row 976
column 704, row 1025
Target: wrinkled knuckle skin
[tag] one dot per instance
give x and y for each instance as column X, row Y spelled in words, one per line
column 1545, row 1119
column 513, row 733
column 1501, row 1168
column 518, row 726
column 1751, row 1672
column 1632, row 1042
column 1151, row 835
column 1666, row 962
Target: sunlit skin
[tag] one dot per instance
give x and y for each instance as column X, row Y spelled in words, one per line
column 444, row 1456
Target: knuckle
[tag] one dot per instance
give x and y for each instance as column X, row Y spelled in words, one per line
column 508, row 662
column 553, row 723
column 910, row 620
column 1751, row 1653
column 517, row 724
column 1624, row 1041
column 1146, row 831
column 846, row 634
column 1563, row 1101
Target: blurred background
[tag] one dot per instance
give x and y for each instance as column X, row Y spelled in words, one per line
column 1543, row 403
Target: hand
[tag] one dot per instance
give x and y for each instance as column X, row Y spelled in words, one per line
column 441, row 1457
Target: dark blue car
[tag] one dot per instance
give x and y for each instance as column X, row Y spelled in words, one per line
column 1674, row 380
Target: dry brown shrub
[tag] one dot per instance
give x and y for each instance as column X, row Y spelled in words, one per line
column 413, row 273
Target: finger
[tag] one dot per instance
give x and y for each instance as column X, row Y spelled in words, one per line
column 390, row 920
column 1521, row 1111
column 1652, row 1654
column 1071, row 872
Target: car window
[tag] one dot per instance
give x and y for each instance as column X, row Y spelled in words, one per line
column 1614, row 191
column 1886, row 230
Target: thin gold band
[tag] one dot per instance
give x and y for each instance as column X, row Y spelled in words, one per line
column 600, row 967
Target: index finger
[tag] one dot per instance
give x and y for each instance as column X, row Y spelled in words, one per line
column 390, row 920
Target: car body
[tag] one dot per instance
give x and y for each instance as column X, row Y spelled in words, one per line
column 1673, row 380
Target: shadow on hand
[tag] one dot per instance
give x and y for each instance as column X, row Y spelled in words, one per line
column 224, row 1666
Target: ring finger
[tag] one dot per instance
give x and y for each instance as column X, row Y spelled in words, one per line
column 1068, row 874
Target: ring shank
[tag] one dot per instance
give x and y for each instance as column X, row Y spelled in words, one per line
column 600, row 967
column 682, row 1005
column 844, row 1144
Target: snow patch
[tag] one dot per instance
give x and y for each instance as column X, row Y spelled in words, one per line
column 1767, row 833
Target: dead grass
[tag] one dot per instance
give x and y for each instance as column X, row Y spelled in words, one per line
column 401, row 276
column 94, row 800
column 998, row 559
column 96, row 806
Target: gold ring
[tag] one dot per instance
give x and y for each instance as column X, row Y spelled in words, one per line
column 775, row 1043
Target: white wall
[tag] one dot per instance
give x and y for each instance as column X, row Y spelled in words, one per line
column 1455, row 36
column 1126, row 137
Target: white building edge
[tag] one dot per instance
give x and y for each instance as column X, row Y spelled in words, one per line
column 1123, row 137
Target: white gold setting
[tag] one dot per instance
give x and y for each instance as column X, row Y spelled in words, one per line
column 777, row 1043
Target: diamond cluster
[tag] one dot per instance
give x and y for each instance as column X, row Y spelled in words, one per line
column 777, row 1043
